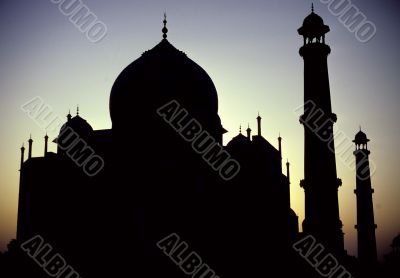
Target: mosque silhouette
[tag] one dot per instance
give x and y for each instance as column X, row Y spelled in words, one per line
column 153, row 183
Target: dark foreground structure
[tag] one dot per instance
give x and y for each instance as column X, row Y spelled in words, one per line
column 158, row 195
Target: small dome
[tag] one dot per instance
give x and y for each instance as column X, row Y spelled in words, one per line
column 313, row 26
column 313, row 20
column 361, row 138
column 79, row 125
column 238, row 140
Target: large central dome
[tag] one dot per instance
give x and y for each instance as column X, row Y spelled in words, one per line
column 160, row 75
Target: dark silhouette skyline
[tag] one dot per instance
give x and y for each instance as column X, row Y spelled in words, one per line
column 169, row 189
column 259, row 36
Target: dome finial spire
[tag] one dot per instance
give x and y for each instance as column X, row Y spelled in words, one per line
column 77, row 110
column 312, row 7
column 165, row 30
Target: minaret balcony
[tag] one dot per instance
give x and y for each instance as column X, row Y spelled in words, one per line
column 316, row 119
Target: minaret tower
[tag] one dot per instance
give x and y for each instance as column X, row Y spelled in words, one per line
column 366, row 226
column 22, row 156
column 248, row 130
column 259, row 125
column 30, row 141
column 280, row 148
column 320, row 178
column 46, row 141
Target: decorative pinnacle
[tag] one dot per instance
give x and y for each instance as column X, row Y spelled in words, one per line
column 240, row 129
column 165, row 30
column 312, row 7
column 77, row 110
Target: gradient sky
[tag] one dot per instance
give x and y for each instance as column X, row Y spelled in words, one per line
column 250, row 50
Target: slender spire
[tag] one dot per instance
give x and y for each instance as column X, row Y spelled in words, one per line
column 280, row 146
column 288, row 178
column 46, row 140
column 30, row 141
column 22, row 155
column 248, row 130
column 259, row 124
column 69, row 115
column 77, row 110
column 165, row 30
column 312, row 7
column 240, row 129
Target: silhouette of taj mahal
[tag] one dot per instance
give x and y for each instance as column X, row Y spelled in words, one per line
column 154, row 184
